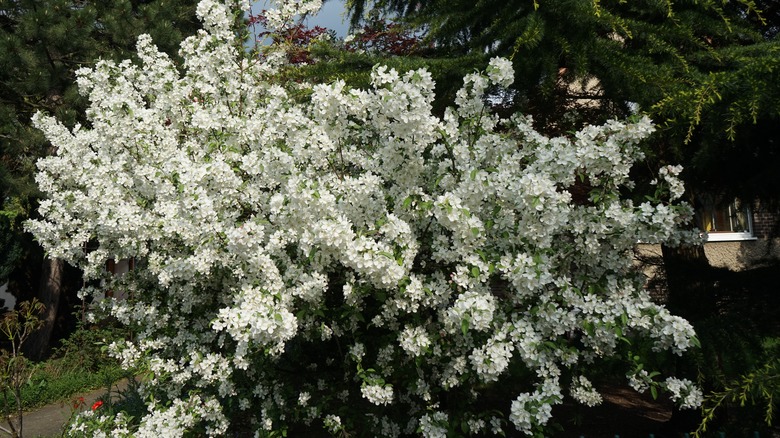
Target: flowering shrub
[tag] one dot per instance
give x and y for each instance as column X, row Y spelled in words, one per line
column 99, row 425
column 350, row 263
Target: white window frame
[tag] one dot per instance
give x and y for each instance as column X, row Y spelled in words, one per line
column 730, row 236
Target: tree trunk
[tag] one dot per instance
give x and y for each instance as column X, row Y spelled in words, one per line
column 52, row 275
column 689, row 278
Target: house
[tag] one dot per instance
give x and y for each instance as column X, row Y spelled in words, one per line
column 738, row 239
column 738, row 235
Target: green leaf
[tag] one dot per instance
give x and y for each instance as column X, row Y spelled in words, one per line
column 464, row 326
column 654, row 392
column 587, row 326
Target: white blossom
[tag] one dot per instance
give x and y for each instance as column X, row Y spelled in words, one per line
column 583, row 391
column 684, row 392
column 414, row 340
column 501, row 72
column 434, row 425
column 378, row 394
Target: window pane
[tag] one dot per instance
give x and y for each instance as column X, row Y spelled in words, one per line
column 732, row 217
column 739, row 217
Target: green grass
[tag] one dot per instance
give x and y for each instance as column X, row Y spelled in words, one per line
column 79, row 365
column 48, row 387
column 56, row 381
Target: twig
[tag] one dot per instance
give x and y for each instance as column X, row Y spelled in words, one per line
column 2, row 429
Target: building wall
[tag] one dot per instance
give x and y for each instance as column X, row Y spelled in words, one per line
column 741, row 255
column 735, row 256
column 765, row 221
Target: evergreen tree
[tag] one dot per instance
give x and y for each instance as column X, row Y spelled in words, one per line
column 707, row 72
column 42, row 44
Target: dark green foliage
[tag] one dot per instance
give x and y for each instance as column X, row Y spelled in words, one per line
column 43, row 43
column 735, row 317
column 10, row 246
column 741, row 404
column 725, row 125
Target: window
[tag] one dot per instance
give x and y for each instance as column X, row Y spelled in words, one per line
column 724, row 221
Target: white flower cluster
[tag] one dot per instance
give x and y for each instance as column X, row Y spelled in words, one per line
column 501, row 72
column 684, row 392
column 640, row 381
column 414, row 340
column 529, row 411
column 378, row 394
column 348, row 235
column 583, row 391
column 492, row 358
column 672, row 332
column 434, row 425
column 94, row 424
column 333, row 424
column 670, row 175
column 182, row 416
column 472, row 310
column 285, row 11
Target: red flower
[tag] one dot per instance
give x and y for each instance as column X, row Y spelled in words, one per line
column 97, row 404
column 79, row 402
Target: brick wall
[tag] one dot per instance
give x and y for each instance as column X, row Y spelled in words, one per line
column 766, row 222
